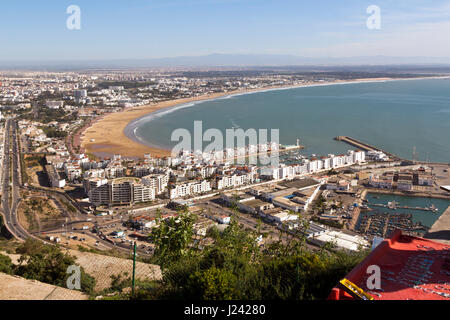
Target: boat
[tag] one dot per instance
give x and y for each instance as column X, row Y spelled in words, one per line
column 392, row 205
column 433, row 208
column 379, row 205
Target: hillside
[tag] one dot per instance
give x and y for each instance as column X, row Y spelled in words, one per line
column 102, row 267
column 17, row 288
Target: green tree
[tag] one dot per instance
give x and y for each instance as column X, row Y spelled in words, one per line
column 6, row 265
column 118, row 283
column 214, row 284
column 173, row 237
column 234, row 266
column 47, row 263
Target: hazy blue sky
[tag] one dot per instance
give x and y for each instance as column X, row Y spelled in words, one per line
column 36, row 30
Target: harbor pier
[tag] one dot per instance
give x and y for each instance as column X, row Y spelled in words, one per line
column 440, row 230
column 364, row 146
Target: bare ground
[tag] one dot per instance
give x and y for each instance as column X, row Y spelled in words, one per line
column 102, row 267
column 17, row 288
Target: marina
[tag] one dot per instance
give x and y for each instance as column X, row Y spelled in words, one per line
column 384, row 224
column 381, row 214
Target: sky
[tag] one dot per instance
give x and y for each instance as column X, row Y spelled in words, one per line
column 139, row 29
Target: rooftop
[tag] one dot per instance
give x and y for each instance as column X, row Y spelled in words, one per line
column 255, row 203
column 126, row 179
column 300, row 183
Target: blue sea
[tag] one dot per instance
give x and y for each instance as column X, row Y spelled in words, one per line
column 394, row 115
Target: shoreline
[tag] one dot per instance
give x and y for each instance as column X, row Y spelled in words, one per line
column 107, row 131
column 112, row 133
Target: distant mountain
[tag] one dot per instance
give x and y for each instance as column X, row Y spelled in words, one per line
column 284, row 60
column 224, row 60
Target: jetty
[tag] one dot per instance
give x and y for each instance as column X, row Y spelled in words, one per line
column 396, row 206
column 440, row 230
column 364, row 146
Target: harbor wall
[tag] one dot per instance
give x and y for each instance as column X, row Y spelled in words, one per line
column 409, row 194
column 440, row 230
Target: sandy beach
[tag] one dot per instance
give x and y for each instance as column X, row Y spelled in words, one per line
column 106, row 135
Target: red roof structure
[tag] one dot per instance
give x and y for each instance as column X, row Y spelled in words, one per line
column 412, row 268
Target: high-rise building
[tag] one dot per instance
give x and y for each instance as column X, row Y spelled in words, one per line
column 120, row 191
column 80, row 95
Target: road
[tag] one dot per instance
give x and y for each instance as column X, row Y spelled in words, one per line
column 11, row 182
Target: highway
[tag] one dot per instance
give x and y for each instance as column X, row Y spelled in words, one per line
column 11, row 185
column 11, row 182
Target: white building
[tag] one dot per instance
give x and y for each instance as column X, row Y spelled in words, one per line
column 157, row 181
column 120, row 191
column 189, row 188
column 94, row 173
column 383, row 182
column 233, row 181
column 54, row 178
column 72, row 171
column 114, row 171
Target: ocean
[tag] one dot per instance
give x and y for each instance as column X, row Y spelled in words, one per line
column 395, row 116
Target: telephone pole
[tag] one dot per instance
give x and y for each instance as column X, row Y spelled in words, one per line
column 134, row 270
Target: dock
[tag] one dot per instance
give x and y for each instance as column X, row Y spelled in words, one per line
column 364, row 146
column 440, row 230
column 432, row 209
